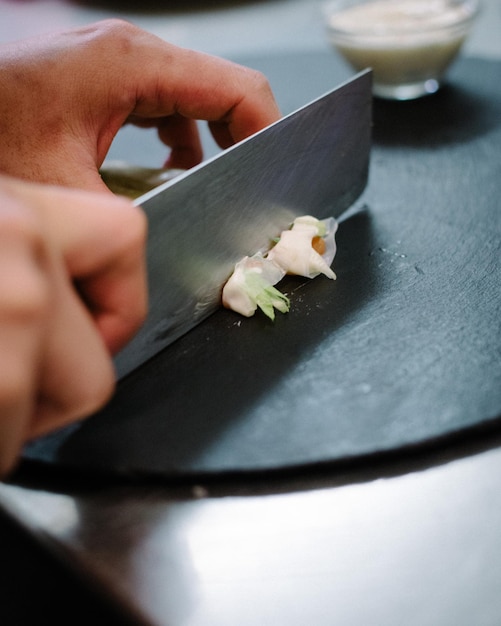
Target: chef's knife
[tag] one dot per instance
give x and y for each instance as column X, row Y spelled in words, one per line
column 314, row 161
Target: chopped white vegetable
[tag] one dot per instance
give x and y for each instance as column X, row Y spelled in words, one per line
column 251, row 286
column 294, row 251
column 307, row 249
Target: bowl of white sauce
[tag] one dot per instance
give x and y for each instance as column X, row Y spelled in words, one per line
column 409, row 44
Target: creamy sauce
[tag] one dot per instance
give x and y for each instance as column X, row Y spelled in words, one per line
column 403, row 41
column 399, row 17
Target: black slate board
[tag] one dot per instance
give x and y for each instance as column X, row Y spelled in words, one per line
column 403, row 349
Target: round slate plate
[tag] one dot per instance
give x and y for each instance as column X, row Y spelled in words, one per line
column 403, row 349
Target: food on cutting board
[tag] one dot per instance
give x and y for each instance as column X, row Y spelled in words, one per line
column 306, row 249
column 251, row 286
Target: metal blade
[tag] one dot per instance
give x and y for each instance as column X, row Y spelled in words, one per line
column 314, row 161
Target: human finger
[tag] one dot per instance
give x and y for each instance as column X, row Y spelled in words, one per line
column 24, row 312
column 102, row 241
column 54, row 364
column 180, row 134
column 65, row 140
column 236, row 100
column 76, row 373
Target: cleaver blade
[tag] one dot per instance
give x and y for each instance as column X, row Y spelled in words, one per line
column 313, row 161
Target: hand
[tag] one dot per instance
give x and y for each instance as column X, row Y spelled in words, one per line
column 72, row 285
column 64, row 97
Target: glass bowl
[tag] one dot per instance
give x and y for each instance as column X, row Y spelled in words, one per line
column 409, row 44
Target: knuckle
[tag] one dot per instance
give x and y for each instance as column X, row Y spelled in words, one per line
column 260, row 81
column 90, row 393
column 138, row 230
column 116, row 33
column 114, row 26
column 100, row 393
column 131, row 240
column 18, row 222
column 24, row 284
column 31, row 306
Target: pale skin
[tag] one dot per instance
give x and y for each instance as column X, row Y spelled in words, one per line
column 72, row 269
column 64, row 98
column 73, row 291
